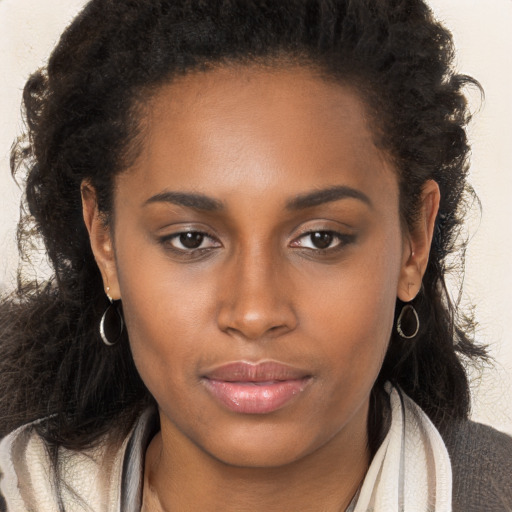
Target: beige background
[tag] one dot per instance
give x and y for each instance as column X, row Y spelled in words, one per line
column 483, row 35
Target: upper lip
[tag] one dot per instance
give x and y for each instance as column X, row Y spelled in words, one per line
column 241, row 371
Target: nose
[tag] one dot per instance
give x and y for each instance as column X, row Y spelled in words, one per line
column 256, row 298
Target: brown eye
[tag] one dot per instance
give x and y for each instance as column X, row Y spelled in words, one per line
column 321, row 239
column 191, row 240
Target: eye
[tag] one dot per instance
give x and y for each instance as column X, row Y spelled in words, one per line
column 189, row 241
column 322, row 240
column 319, row 240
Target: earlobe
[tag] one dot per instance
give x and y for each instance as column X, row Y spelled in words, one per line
column 417, row 245
column 101, row 240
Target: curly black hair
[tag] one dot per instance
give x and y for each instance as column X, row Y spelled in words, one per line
column 83, row 116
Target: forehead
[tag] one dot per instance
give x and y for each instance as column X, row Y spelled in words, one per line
column 258, row 128
column 291, row 101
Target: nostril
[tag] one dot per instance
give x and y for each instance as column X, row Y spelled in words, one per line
column 257, row 332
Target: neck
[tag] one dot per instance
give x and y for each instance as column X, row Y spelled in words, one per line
column 326, row 479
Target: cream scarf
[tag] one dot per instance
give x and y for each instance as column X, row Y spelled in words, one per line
column 411, row 471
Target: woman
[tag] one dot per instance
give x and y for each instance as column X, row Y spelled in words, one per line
column 248, row 206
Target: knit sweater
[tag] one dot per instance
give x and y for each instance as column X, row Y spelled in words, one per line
column 481, row 460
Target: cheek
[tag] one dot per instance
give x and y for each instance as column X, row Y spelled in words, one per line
column 164, row 310
column 351, row 309
column 155, row 289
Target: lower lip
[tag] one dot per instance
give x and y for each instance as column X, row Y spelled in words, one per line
column 256, row 398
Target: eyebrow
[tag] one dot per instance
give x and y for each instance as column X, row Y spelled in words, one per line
column 187, row 199
column 327, row 195
column 300, row 202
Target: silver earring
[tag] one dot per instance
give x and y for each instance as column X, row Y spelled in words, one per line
column 408, row 308
column 112, row 316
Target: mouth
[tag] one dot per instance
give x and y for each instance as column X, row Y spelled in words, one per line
column 260, row 388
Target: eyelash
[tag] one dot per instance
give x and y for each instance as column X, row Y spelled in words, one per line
column 167, row 241
column 342, row 241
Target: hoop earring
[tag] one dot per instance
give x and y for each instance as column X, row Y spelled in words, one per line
column 111, row 316
column 405, row 310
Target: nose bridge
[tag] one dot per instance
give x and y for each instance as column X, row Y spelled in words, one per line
column 257, row 298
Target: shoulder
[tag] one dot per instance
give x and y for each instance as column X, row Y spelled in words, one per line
column 482, row 467
column 90, row 479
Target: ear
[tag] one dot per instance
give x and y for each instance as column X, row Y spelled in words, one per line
column 101, row 239
column 417, row 244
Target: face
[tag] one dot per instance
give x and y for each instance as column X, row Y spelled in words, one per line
column 258, row 252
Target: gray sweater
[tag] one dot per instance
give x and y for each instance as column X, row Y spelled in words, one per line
column 482, row 467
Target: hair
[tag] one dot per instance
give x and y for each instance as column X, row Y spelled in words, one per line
column 83, row 114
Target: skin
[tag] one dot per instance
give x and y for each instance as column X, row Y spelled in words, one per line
column 254, row 141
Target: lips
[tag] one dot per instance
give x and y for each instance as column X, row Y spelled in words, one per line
column 261, row 388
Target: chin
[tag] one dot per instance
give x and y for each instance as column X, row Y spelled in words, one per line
column 264, row 447
column 257, row 458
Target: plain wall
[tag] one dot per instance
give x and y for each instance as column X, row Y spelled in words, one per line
column 483, row 37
